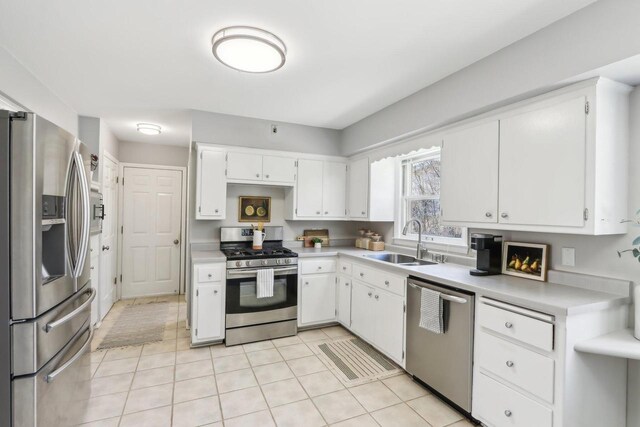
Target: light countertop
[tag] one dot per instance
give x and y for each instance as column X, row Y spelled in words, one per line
column 201, row 256
column 552, row 298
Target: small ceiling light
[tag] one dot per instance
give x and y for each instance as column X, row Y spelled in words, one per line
column 249, row 49
column 149, row 128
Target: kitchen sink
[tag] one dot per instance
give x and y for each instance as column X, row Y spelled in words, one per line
column 400, row 259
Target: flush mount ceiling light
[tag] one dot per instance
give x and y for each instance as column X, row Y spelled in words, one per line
column 249, row 49
column 149, row 128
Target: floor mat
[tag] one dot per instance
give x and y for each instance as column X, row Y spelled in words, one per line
column 355, row 362
column 136, row 325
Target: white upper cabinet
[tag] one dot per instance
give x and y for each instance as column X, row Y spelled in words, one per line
column 371, row 194
column 247, row 166
column 278, row 169
column 334, row 189
column 542, row 165
column 244, row 166
column 358, row 205
column 309, row 190
column 559, row 164
column 211, row 184
column 469, row 182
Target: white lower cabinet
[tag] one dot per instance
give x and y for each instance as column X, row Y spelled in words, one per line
column 317, row 291
column 343, row 300
column 361, row 315
column 207, row 303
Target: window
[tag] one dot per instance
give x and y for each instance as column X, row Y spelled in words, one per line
column 420, row 190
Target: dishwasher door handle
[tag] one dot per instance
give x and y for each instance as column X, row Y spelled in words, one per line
column 447, row 297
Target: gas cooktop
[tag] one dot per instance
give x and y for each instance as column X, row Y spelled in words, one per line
column 248, row 253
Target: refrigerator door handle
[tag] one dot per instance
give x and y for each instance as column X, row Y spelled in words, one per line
column 52, row 376
column 86, row 216
column 49, row 326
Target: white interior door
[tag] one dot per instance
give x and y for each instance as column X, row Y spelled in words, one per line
column 151, row 236
column 109, row 248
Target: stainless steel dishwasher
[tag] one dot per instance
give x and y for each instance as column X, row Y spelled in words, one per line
column 442, row 361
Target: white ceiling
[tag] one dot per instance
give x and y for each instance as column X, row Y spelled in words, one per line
column 128, row 61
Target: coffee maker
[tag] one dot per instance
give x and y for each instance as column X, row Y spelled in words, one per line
column 489, row 254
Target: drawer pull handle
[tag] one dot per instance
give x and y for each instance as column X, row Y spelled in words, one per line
column 361, row 274
column 344, row 268
column 215, row 291
column 507, row 413
column 306, row 283
column 488, row 214
column 386, row 282
column 377, row 296
column 508, row 325
column 509, row 363
column 209, row 275
column 319, row 267
column 346, row 284
column 504, row 215
column 369, row 294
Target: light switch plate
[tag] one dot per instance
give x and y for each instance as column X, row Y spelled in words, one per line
column 569, row 257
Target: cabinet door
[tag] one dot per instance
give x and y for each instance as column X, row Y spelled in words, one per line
column 334, row 189
column 309, row 191
column 278, row 169
column 469, row 181
column 542, row 166
column 211, row 185
column 358, row 188
column 389, row 323
column 208, row 318
column 246, row 166
column 318, row 298
column 343, row 290
column 361, row 310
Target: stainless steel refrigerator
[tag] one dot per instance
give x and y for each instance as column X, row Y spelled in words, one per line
column 45, row 291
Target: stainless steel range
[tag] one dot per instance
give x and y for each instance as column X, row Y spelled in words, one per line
column 249, row 318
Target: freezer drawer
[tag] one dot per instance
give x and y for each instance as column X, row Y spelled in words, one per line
column 442, row 361
column 36, row 341
column 57, row 395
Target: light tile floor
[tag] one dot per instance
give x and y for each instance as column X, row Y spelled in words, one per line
column 279, row 382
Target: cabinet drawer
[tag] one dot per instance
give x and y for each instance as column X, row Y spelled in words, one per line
column 315, row 266
column 521, row 327
column 210, row 273
column 524, row 368
column 379, row 278
column 344, row 267
column 500, row 406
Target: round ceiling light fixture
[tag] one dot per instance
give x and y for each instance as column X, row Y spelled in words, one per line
column 249, row 49
column 149, row 128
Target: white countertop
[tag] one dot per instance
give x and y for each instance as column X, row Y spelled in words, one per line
column 618, row 344
column 207, row 256
column 552, row 298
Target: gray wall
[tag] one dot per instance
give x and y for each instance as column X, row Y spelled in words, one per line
column 600, row 34
column 23, row 87
column 247, row 132
column 149, row 153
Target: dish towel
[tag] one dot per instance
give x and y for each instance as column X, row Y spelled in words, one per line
column 264, row 286
column 431, row 311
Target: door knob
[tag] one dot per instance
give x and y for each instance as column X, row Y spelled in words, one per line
column 504, row 215
column 257, row 175
column 266, row 176
column 488, row 215
column 507, row 413
column 510, row 363
column 105, row 248
column 508, row 325
column 176, row 241
column 369, row 294
column 377, row 296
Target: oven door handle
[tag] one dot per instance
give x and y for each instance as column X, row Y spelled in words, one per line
column 254, row 271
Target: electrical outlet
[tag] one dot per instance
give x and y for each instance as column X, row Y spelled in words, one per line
column 569, row 257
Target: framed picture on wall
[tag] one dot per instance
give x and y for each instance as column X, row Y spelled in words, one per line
column 528, row 260
column 254, row 209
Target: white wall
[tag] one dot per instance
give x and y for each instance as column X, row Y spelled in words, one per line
column 247, row 132
column 149, row 153
column 18, row 83
column 108, row 141
column 600, row 34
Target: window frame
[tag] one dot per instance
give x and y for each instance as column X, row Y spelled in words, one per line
column 402, row 203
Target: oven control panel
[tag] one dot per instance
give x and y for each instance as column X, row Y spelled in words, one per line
column 257, row 263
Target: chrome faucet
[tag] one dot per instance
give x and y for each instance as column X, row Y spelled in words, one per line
column 404, row 233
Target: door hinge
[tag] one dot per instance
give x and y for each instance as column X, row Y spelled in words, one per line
column 196, row 331
column 226, row 156
column 121, row 278
column 201, row 155
column 296, row 211
column 225, row 172
column 123, row 180
column 296, row 163
column 586, row 107
column 122, row 229
column 336, row 311
column 404, row 308
column 117, row 179
column 115, row 280
column 197, row 292
column 345, row 212
column 199, row 208
column 402, row 354
column 585, row 214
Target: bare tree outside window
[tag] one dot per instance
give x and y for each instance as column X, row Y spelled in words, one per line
column 421, row 177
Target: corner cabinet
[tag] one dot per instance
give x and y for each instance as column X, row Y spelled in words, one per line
column 211, row 184
column 556, row 163
column 207, row 303
column 371, row 189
